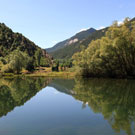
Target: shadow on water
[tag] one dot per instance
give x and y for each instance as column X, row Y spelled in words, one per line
column 16, row 91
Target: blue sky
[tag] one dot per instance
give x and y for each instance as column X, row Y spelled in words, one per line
column 46, row 22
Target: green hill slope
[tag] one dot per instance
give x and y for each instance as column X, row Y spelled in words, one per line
column 10, row 41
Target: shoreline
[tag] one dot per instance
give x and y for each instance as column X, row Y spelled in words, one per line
column 47, row 74
column 60, row 74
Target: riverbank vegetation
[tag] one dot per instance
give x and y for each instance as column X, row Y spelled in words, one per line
column 111, row 56
column 20, row 56
column 18, row 53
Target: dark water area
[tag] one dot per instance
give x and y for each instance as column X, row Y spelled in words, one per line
column 46, row 106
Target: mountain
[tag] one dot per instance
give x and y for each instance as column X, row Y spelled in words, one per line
column 67, row 51
column 133, row 19
column 10, row 41
column 66, row 48
column 76, row 38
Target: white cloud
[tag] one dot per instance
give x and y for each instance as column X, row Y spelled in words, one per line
column 120, row 22
column 100, row 28
column 83, row 29
column 54, row 42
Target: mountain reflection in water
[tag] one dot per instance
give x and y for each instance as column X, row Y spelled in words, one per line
column 113, row 99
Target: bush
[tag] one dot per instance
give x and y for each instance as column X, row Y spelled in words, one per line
column 30, row 65
column 7, row 69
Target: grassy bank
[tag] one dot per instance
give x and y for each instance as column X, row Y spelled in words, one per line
column 50, row 74
column 53, row 74
column 44, row 72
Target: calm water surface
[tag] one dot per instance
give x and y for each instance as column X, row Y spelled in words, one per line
column 45, row 106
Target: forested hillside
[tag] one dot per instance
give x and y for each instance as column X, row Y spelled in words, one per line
column 15, row 49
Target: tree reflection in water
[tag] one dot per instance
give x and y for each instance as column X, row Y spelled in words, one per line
column 115, row 99
column 16, row 91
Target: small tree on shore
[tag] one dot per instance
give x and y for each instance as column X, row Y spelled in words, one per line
column 16, row 61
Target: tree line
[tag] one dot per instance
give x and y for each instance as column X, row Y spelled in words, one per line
column 60, row 64
column 111, row 56
column 18, row 60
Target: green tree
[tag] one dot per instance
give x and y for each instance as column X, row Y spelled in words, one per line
column 30, row 64
column 38, row 55
column 55, row 66
column 112, row 55
column 15, row 62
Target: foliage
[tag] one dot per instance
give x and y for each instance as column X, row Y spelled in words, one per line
column 69, row 50
column 65, row 64
column 30, row 65
column 55, row 66
column 112, row 55
column 60, row 64
column 6, row 69
column 11, row 42
column 16, row 61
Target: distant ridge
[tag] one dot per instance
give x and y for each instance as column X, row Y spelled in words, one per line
column 67, row 52
column 78, row 37
column 60, row 51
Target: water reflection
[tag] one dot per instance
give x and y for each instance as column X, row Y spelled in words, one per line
column 63, row 85
column 115, row 99
column 16, row 91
